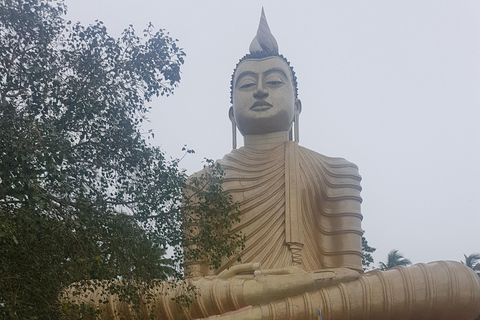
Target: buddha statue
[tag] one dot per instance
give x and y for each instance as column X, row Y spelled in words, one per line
column 300, row 212
column 299, row 208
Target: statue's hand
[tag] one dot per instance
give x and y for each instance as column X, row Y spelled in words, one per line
column 269, row 285
column 251, row 270
column 244, row 270
column 340, row 275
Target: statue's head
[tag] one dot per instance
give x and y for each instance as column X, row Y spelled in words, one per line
column 264, row 88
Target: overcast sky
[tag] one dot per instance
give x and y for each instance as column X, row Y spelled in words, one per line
column 393, row 86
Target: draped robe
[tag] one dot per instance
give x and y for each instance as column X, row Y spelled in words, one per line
column 298, row 208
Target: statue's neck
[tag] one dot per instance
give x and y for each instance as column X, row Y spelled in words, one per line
column 265, row 141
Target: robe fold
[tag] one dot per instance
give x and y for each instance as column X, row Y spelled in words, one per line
column 297, row 206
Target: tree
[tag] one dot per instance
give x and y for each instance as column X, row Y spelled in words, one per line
column 367, row 258
column 83, row 196
column 473, row 261
column 394, row 259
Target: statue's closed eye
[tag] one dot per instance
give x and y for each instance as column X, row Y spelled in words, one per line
column 247, row 85
column 274, row 80
column 275, row 83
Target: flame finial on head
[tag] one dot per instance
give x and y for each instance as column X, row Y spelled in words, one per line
column 264, row 40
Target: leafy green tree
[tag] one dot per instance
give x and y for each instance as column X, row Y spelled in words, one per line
column 473, row 261
column 367, row 258
column 394, row 259
column 83, row 196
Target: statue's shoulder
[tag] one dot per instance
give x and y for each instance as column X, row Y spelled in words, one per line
column 337, row 170
column 222, row 162
column 199, row 173
column 198, row 176
column 332, row 162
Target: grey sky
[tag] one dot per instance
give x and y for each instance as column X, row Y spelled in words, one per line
column 393, row 86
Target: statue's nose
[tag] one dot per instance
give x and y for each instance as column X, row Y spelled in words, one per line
column 260, row 93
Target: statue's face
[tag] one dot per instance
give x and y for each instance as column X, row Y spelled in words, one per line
column 263, row 96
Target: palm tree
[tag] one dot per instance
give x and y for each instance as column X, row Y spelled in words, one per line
column 394, row 259
column 473, row 261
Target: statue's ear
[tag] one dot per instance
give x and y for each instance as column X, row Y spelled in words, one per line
column 298, row 106
column 231, row 115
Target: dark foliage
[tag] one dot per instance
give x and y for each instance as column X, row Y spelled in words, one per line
column 367, row 258
column 82, row 194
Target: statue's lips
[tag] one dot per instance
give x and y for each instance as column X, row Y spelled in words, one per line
column 261, row 106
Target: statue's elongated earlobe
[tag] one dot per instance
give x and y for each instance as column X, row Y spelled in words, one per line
column 296, row 126
column 234, row 128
